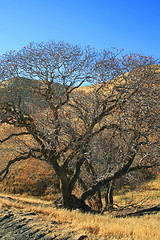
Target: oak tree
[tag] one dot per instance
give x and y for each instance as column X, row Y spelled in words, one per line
column 92, row 115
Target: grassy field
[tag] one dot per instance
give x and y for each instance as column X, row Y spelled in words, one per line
column 96, row 226
column 149, row 193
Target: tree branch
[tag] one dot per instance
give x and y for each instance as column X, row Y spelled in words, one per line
column 129, row 159
column 5, row 171
column 76, row 173
column 14, row 135
column 142, row 167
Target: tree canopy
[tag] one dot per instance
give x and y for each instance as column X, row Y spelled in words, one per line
column 93, row 116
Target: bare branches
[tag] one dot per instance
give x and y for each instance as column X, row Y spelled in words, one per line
column 23, row 156
column 117, row 174
column 14, row 135
column 142, row 167
column 109, row 123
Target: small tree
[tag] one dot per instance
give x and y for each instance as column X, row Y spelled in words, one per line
column 90, row 135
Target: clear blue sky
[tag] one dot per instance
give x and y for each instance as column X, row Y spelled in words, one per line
column 133, row 25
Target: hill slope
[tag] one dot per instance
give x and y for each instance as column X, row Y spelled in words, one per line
column 31, row 218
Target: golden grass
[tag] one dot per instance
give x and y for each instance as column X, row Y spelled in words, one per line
column 95, row 226
column 106, row 226
column 29, row 199
column 149, row 192
column 144, row 228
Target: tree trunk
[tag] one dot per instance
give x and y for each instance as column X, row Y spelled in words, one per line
column 70, row 201
column 100, row 205
column 109, row 195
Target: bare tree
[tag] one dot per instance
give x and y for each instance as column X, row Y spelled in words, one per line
column 90, row 135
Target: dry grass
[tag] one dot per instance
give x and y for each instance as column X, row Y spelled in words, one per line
column 102, row 227
column 106, row 226
column 149, row 192
column 94, row 226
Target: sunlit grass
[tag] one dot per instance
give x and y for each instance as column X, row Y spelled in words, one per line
column 147, row 193
column 145, row 228
column 96, row 226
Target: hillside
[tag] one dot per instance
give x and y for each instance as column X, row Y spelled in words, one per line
column 25, row 176
column 31, row 218
column 24, row 91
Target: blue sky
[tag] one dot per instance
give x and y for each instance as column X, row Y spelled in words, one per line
column 132, row 25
